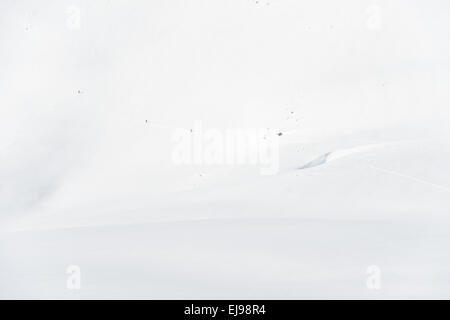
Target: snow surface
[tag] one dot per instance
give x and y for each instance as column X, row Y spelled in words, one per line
column 86, row 171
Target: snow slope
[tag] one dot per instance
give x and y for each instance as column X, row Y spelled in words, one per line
column 87, row 176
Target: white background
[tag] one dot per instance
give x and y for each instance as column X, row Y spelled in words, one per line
column 86, row 181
